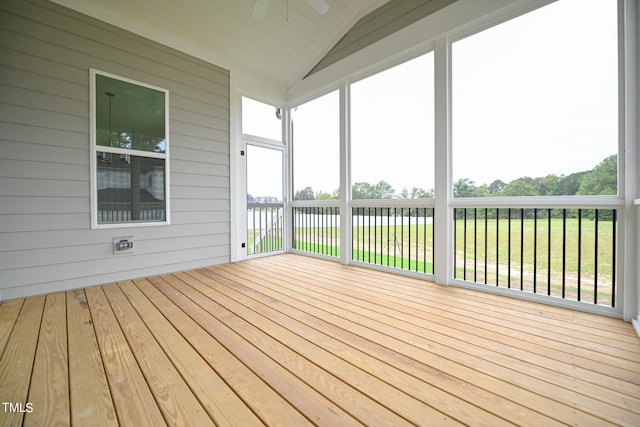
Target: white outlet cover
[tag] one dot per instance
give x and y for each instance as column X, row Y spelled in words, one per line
column 117, row 240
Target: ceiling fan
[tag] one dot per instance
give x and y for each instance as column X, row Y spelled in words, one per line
column 260, row 9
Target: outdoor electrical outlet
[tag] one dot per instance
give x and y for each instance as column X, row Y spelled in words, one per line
column 122, row 245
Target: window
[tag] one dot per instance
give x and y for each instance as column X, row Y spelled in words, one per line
column 130, row 151
column 260, row 119
column 535, row 104
column 392, row 132
column 316, row 148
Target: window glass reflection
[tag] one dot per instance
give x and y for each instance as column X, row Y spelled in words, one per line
column 129, row 116
column 130, row 188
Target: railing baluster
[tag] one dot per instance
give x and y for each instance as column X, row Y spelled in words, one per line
column 324, row 230
column 417, row 238
column 595, row 269
column 497, row 246
column 369, row 235
column 521, row 249
column 475, row 244
column 564, row 252
column 401, row 237
column 614, row 223
column 535, row 248
column 353, row 228
column 424, row 242
column 455, row 242
column 375, row 235
column 253, row 231
column 579, row 254
column 433, row 239
column 486, row 242
column 363, row 231
column 509, row 249
column 294, row 227
column 464, row 250
column 395, row 234
column 549, row 252
column 409, row 244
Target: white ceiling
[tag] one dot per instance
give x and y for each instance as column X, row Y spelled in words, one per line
column 281, row 47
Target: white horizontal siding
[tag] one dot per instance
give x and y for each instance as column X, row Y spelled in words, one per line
column 46, row 242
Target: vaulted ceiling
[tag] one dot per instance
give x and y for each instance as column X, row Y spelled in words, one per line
column 283, row 45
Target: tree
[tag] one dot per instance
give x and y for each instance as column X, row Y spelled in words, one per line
column 519, row 187
column 601, row 180
column 416, row 193
column 464, row 187
column 548, row 186
column 364, row 190
column 384, row 190
column 321, row 195
column 304, row 194
column 496, row 186
column 570, row 184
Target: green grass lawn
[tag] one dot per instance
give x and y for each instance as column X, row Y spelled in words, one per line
column 381, row 245
column 317, row 248
column 393, row 261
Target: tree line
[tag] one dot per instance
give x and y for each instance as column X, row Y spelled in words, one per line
column 601, row 180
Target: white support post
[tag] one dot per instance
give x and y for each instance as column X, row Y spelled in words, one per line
column 442, row 257
column 288, row 178
column 630, row 146
column 238, row 196
column 345, row 175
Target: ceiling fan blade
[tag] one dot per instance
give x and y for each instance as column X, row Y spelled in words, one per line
column 320, row 6
column 260, row 9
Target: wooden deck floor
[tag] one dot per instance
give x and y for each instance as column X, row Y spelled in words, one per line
column 291, row 341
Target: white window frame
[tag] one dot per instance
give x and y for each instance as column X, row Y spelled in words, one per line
column 140, row 153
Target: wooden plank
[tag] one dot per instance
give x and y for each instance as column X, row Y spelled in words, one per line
column 616, row 407
column 467, row 308
column 291, row 340
column 270, row 407
column 495, row 334
column 132, row 398
column 218, row 399
column 340, row 343
column 210, row 315
column 174, row 398
column 455, row 356
column 576, row 382
column 9, row 311
column 543, row 325
column 606, row 358
column 91, row 402
column 17, row 361
column 49, row 388
column 323, row 371
column 412, row 363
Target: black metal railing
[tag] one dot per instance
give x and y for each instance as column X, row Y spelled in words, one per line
column 561, row 252
column 398, row 237
column 265, row 227
column 316, row 229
